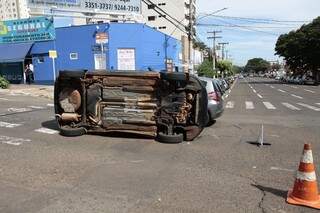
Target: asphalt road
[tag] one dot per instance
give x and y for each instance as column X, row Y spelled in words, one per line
column 221, row 171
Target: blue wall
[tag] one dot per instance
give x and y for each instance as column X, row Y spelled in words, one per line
column 149, row 44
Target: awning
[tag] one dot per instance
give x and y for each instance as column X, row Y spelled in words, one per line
column 14, row 52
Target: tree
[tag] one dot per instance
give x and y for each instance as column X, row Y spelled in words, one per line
column 237, row 69
column 225, row 67
column 206, row 69
column 257, row 65
column 301, row 48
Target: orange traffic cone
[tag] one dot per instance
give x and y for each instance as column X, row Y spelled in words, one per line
column 305, row 190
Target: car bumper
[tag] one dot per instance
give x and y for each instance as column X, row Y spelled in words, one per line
column 215, row 110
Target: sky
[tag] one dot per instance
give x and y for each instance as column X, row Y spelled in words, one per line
column 255, row 37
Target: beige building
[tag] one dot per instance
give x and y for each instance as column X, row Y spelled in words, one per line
column 178, row 9
column 13, row 9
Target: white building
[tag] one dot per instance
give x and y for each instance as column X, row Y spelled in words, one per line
column 178, row 9
column 13, row 9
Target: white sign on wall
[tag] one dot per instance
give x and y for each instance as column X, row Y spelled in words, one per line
column 114, row 6
column 126, row 59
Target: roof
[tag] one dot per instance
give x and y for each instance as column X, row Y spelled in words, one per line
column 14, row 52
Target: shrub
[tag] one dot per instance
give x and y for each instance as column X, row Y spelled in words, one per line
column 4, row 84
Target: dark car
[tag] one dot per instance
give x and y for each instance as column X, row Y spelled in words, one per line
column 171, row 107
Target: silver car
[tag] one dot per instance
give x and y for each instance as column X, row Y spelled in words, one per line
column 215, row 100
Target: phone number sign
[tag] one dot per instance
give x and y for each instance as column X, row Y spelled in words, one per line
column 112, row 6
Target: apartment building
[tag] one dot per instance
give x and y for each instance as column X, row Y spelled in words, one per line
column 178, row 9
column 13, row 9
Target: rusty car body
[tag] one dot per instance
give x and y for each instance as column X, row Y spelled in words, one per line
column 171, row 107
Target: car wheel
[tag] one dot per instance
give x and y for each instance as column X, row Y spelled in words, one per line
column 176, row 138
column 174, row 76
column 72, row 132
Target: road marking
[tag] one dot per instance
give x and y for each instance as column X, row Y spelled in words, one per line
column 290, row 106
column 294, row 87
column 272, row 87
column 249, row 105
column 318, row 103
column 293, row 95
column 280, row 90
column 50, row 105
column 309, row 91
column 12, row 140
column 19, row 109
column 230, row 105
column 36, row 107
column 254, row 90
column 268, row 105
column 260, row 96
column 4, row 99
column 309, row 107
column 8, row 125
column 281, row 169
column 46, row 131
column 227, row 95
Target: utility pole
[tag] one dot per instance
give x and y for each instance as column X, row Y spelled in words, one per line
column 190, row 33
column 214, row 37
column 223, row 44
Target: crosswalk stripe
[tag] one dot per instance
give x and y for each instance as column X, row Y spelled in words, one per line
column 230, row 105
column 249, row 105
column 46, row 131
column 318, row 103
column 12, row 140
column 293, row 95
column 260, row 96
column 50, row 105
column 280, row 90
column 8, row 125
column 290, row 106
column 272, row 87
column 309, row 107
column 4, row 99
column 309, row 91
column 294, row 87
column 268, row 105
column 36, row 107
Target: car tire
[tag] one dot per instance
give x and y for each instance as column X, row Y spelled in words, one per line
column 72, row 132
column 72, row 74
column 174, row 76
column 164, row 138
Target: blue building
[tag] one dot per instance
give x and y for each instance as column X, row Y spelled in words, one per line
column 114, row 46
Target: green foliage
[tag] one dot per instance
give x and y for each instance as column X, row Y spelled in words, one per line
column 206, row 69
column 257, row 65
column 237, row 69
column 200, row 45
column 225, row 67
column 301, row 48
column 4, row 84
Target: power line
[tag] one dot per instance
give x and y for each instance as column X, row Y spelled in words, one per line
column 261, row 19
column 221, row 25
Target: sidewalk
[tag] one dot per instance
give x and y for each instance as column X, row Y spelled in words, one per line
column 30, row 90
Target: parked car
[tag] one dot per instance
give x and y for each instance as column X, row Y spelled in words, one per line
column 171, row 107
column 215, row 100
column 310, row 81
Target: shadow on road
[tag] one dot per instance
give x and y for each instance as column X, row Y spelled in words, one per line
column 256, row 143
column 52, row 124
column 211, row 123
column 277, row 192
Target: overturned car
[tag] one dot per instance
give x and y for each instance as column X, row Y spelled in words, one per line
column 170, row 107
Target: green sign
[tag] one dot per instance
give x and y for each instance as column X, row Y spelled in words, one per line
column 27, row 30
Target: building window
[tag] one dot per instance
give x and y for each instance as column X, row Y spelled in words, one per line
column 151, row 18
column 151, row 6
column 40, row 59
column 161, row 4
column 164, row 27
column 73, row 56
